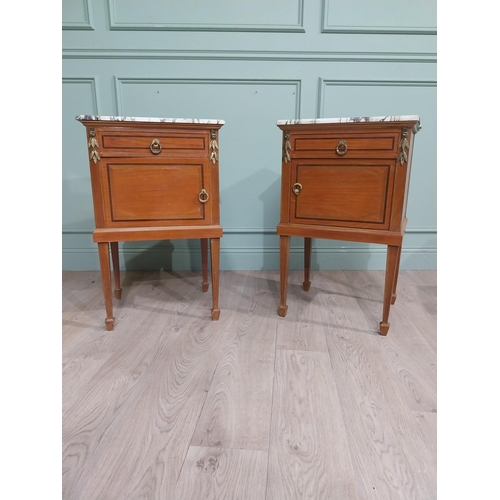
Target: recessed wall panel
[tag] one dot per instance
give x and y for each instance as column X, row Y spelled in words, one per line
column 76, row 15
column 220, row 15
column 389, row 16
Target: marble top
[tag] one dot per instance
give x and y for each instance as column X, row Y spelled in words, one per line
column 148, row 119
column 357, row 119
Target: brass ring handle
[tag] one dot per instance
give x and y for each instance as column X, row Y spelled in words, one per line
column 155, row 147
column 297, row 188
column 203, row 196
column 341, row 148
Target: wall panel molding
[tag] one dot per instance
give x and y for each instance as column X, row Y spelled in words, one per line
column 304, row 57
column 86, row 22
column 256, row 250
column 251, row 55
column 389, row 29
column 121, row 81
column 160, row 25
column 324, row 83
column 90, row 80
column 257, row 230
column 239, row 258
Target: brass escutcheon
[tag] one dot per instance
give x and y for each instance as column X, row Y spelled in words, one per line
column 341, row 148
column 203, row 196
column 297, row 188
column 155, row 147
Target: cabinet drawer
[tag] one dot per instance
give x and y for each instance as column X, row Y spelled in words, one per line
column 346, row 144
column 354, row 193
column 152, row 143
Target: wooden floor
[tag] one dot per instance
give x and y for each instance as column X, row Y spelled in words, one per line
column 174, row 406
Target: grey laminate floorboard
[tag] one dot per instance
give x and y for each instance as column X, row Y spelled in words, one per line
column 309, row 453
column 237, row 410
column 172, row 405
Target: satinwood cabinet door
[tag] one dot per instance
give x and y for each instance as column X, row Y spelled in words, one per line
column 346, row 193
column 156, row 191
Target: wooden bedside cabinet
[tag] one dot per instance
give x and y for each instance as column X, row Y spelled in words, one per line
column 346, row 179
column 154, row 179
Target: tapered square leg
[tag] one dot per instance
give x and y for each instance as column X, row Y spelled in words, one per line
column 204, row 263
column 106, row 283
column 284, row 264
column 396, row 275
column 215, row 260
column 307, row 263
column 116, row 268
column 392, row 258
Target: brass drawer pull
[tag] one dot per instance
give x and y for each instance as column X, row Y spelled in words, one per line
column 203, row 196
column 341, row 148
column 297, row 188
column 155, row 147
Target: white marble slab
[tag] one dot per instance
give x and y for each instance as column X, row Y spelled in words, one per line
column 148, row 119
column 357, row 119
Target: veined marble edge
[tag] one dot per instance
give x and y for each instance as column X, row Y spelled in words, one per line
column 361, row 119
column 149, row 119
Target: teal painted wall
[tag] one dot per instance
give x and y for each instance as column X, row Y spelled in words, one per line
column 250, row 63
